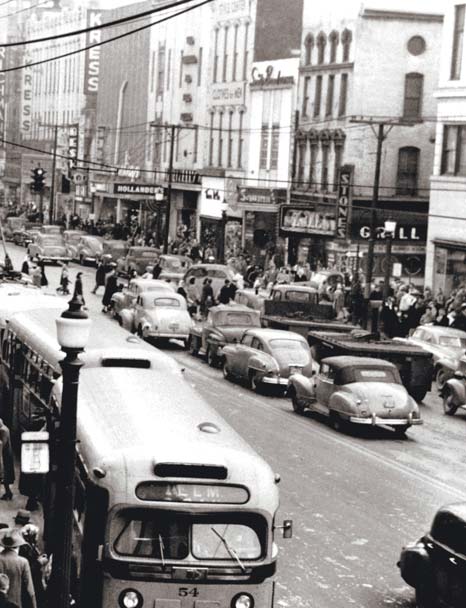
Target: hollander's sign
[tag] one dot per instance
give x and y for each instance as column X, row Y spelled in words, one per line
column 227, row 94
column 344, row 201
column 139, row 189
column 303, row 220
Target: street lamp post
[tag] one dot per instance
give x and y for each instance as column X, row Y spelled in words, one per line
column 72, row 332
column 389, row 227
column 159, row 200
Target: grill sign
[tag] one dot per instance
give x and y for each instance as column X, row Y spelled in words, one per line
column 344, row 201
column 192, row 492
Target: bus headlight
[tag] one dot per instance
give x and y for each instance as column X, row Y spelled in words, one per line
column 242, row 600
column 130, row 598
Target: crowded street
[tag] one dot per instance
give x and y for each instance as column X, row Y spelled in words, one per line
column 355, row 498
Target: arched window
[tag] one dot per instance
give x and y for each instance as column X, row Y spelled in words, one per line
column 346, row 38
column 408, row 165
column 308, row 46
column 413, row 95
column 321, row 42
column 333, row 37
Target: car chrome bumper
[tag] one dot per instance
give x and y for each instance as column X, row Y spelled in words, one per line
column 45, row 258
column 275, row 380
column 375, row 421
column 164, row 334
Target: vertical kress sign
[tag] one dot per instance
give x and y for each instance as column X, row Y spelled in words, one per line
column 2, row 96
column 344, row 200
column 92, row 58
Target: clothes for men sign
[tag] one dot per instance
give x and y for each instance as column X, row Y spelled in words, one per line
column 344, row 201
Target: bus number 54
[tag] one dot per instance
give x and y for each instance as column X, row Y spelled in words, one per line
column 185, row 591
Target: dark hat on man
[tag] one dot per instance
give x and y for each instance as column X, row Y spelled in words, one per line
column 23, row 517
column 11, row 539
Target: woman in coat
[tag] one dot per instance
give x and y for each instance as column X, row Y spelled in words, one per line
column 8, row 470
column 99, row 277
column 78, row 287
column 111, row 287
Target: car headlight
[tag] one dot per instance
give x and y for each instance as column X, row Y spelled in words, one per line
column 242, row 600
column 130, row 598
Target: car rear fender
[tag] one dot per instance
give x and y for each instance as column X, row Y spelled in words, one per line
column 415, row 564
column 127, row 319
column 448, row 364
column 263, row 363
column 228, row 350
column 303, row 386
column 457, row 388
column 343, row 403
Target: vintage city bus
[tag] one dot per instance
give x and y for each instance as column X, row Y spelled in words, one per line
column 173, row 509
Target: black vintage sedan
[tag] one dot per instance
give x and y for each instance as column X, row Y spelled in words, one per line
column 435, row 565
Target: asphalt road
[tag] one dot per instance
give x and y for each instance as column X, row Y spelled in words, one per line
column 355, row 499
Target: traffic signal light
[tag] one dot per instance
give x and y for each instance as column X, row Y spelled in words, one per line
column 38, row 179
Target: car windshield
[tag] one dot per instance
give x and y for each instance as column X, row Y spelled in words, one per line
column 93, row 243
column 290, row 351
column 234, row 319
column 375, row 375
column 73, row 238
column 453, row 341
column 52, row 240
column 298, row 296
column 143, row 254
column 173, row 264
column 166, row 535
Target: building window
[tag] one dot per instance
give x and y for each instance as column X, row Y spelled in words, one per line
column 458, row 36
column 161, row 71
column 230, row 138
column 246, row 52
column 199, row 68
column 321, row 42
column 220, row 140
column 343, row 95
column 275, row 147
column 240, row 139
column 215, row 56
column 307, row 85
column 313, row 160
column 324, row 178
column 308, row 46
column 346, row 38
column 301, row 163
column 408, row 163
column 318, row 96
column 413, row 95
column 416, row 45
column 333, row 46
column 196, row 143
column 211, row 140
column 454, row 150
column 235, row 53
column 225, row 54
column 264, row 151
column 181, row 69
column 330, row 90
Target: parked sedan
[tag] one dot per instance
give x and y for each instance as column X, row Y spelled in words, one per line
column 138, row 259
column 162, row 315
column 225, row 324
column 446, row 345
column 218, row 273
column 358, row 390
column 49, row 248
column 125, row 299
column 174, row 267
column 89, row 249
column 72, row 238
column 435, row 565
column 267, row 357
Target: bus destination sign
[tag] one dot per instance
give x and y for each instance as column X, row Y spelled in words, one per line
column 192, row 492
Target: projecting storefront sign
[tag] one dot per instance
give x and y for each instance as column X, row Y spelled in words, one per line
column 2, row 96
column 26, row 98
column 261, row 196
column 73, row 146
column 92, row 57
column 344, row 201
column 269, row 78
column 318, row 221
column 146, row 189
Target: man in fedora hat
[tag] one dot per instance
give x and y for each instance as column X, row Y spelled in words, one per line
column 4, row 587
column 17, row 569
column 22, row 517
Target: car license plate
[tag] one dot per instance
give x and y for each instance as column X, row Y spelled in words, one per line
column 294, row 369
column 174, row 326
column 388, row 403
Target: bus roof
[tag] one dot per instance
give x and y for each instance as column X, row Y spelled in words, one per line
column 15, row 300
column 109, row 344
column 133, row 420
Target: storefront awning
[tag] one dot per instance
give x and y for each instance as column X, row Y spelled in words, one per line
column 447, row 244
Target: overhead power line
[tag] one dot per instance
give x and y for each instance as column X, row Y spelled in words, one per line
column 102, row 42
column 84, row 30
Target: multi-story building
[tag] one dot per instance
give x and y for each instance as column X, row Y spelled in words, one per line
column 446, row 238
column 375, row 65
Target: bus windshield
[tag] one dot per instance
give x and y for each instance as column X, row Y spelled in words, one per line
column 166, row 535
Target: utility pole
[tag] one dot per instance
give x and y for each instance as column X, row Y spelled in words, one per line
column 381, row 135
column 54, row 168
column 173, row 132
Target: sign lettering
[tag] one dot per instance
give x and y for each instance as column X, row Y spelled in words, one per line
column 258, row 79
column 73, row 136
column 92, row 57
column 212, row 194
column 192, row 492
column 26, row 98
column 344, row 201
column 260, row 196
column 2, row 96
column 308, row 220
column 150, row 189
column 230, row 94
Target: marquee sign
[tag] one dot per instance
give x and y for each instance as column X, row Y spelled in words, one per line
column 304, row 220
column 131, row 188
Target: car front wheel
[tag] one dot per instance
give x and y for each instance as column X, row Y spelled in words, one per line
column 212, row 358
column 337, row 423
column 449, row 407
column 297, row 405
column 226, row 372
column 440, row 378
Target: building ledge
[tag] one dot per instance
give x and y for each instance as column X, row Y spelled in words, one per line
column 213, row 172
column 327, row 67
column 369, row 13
column 448, row 244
